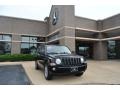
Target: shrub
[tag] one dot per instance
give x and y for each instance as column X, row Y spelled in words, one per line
column 17, row 57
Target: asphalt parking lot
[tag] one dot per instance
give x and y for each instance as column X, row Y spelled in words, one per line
column 13, row 75
column 98, row 73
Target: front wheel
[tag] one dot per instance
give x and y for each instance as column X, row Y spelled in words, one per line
column 79, row 74
column 47, row 73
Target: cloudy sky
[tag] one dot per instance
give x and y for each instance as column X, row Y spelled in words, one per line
column 39, row 9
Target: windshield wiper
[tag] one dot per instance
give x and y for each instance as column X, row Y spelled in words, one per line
column 64, row 53
column 52, row 53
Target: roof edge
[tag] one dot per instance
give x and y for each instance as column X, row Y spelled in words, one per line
column 21, row 18
column 85, row 18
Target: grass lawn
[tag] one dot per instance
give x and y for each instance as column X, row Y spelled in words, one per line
column 17, row 57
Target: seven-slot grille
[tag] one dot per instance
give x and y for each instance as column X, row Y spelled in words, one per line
column 70, row 61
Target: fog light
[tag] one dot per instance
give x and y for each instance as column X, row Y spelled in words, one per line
column 53, row 69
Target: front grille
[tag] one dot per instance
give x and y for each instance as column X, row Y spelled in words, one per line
column 70, row 61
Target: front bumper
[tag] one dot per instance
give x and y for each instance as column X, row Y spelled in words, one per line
column 70, row 69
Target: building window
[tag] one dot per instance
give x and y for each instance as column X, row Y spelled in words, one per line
column 111, row 50
column 5, row 44
column 0, row 37
column 114, row 49
column 85, row 49
column 29, row 44
column 33, row 39
column 24, row 48
column 25, row 39
column 7, row 37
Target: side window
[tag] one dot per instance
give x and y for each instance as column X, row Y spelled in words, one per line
column 41, row 49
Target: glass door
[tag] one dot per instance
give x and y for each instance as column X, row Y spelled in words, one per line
column 84, row 49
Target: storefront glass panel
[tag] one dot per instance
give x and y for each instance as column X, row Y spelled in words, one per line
column 5, row 44
column 85, row 49
column 114, row 49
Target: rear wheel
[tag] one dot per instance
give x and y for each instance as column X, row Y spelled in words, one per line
column 47, row 73
column 79, row 74
column 36, row 66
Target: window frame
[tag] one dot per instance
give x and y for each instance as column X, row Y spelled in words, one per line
column 30, row 42
column 6, row 42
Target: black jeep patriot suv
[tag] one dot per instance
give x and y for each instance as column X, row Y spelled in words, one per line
column 57, row 59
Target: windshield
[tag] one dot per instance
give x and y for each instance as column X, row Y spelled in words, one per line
column 58, row 50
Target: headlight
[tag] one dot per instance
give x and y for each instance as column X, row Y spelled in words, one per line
column 58, row 61
column 82, row 60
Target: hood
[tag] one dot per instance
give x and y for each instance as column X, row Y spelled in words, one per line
column 64, row 55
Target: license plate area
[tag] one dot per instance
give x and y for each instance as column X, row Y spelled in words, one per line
column 74, row 69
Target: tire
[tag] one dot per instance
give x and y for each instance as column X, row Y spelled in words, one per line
column 36, row 66
column 47, row 73
column 79, row 74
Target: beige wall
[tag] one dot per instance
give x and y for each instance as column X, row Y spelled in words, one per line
column 16, row 44
column 5, row 24
column 65, row 17
column 60, row 22
column 100, row 50
column 69, row 42
column 85, row 23
column 16, row 48
column 111, row 22
column 22, row 26
column 69, row 12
